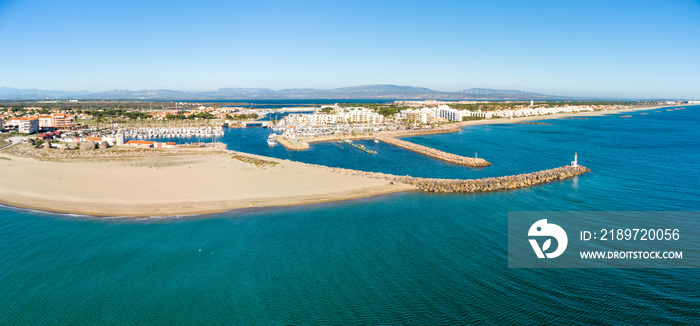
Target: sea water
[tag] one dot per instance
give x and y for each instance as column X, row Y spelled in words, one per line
column 412, row 257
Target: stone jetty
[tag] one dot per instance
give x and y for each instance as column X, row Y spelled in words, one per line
column 301, row 144
column 293, row 144
column 475, row 185
column 435, row 153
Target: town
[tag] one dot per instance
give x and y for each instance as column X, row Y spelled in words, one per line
column 67, row 125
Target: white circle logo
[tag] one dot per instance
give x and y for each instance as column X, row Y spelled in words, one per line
column 543, row 229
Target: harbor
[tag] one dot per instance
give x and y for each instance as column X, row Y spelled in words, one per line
column 303, row 144
column 168, row 132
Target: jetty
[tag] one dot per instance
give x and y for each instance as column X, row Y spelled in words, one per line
column 301, row 144
column 435, row 153
column 476, row 185
column 292, row 143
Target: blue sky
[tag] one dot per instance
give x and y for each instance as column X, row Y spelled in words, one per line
column 579, row 48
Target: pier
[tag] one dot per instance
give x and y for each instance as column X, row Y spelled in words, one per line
column 360, row 147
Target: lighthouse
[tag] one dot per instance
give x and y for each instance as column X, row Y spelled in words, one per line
column 574, row 163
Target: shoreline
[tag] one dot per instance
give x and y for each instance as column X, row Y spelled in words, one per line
column 302, row 143
column 99, row 210
column 168, row 185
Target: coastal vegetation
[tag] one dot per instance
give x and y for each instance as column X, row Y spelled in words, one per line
column 201, row 115
column 258, row 162
column 251, row 116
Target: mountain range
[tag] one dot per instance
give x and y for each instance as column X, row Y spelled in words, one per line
column 389, row 92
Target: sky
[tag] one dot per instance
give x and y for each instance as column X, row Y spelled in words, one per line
column 633, row 49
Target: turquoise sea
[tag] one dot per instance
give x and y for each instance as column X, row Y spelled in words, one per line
column 409, row 258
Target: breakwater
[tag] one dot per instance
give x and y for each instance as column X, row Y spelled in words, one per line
column 301, row 144
column 293, row 144
column 475, row 185
column 435, row 153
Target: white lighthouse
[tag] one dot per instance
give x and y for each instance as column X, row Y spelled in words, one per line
column 574, row 163
column 532, row 103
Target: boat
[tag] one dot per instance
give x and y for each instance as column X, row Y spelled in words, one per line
column 271, row 140
column 376, row 141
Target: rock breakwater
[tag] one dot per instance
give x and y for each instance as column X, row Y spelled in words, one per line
column 435, row 153
column 476, row 185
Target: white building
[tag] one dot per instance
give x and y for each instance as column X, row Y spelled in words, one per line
column 425, row 115
column 478, row 114
column 360, row 115
column 444, row 111
column 349, row 115
column 25, row 125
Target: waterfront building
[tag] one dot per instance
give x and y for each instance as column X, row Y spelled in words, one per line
column 444, row 111
column 360, row 115
column 347, row 115
column 45, row 122
column 140, row 143
column 424, row 115
column 24, row 125
column 150, row 144
column 478, row 114
column 63, row 121
column 290, row 133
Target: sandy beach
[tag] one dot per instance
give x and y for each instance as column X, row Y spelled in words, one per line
column 175, row 185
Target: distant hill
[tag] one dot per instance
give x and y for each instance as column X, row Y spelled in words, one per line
column 503, row 94
column 389, row 92
column 19, row 94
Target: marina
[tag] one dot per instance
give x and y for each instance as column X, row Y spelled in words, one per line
column 178, row 132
